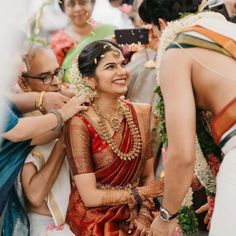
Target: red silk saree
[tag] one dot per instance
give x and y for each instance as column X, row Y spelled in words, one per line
column 87, row 152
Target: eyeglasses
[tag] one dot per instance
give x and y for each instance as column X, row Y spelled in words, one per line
column 47, row 78
column 73, row 3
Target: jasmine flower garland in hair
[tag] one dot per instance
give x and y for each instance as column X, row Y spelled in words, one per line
column 78, row 83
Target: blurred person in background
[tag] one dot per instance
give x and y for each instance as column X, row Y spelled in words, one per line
column 46, row 18
column 142, row 83
column 68, row 43
column 111, row 14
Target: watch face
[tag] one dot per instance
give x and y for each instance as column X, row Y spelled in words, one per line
column 164, row 214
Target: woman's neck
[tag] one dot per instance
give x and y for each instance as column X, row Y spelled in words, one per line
column 83, row 30
column 107, row 106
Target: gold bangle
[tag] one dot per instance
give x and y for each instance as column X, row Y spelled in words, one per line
column 39, row 101
column 60, row 121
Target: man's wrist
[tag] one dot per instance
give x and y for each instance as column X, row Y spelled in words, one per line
column 165, row 215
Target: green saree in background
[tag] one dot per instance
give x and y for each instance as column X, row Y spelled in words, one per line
column 66, row 50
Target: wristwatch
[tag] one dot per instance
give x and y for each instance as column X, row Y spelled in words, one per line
column 165, row 215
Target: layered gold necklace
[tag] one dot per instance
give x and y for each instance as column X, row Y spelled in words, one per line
column 106, row 136
column 112, row 119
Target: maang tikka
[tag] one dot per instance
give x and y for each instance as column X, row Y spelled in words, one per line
column 79, row 85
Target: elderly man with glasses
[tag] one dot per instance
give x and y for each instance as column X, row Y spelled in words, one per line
column 45, row 176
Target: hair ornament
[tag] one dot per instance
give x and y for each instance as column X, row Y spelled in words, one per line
column 116, row 51
column 79, row 85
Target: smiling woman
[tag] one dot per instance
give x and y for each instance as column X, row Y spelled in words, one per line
column 82, row 30
column 109, row 151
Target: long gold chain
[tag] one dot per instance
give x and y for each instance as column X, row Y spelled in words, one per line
column 137, row 143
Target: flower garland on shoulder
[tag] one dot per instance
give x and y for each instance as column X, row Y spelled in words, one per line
column 186, row 217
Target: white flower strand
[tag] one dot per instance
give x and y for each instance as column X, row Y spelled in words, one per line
column 188, row 200
column 203, row 171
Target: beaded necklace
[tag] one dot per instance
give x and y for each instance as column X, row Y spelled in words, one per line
column 106, row 136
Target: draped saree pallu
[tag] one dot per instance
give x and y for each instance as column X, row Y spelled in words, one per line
column 94, row 155
column 224, row 132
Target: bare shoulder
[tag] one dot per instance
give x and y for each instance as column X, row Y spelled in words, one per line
column 175, row 57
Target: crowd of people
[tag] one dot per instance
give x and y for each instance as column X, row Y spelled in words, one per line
column 106, row 139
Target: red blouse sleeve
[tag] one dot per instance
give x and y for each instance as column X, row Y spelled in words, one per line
column 78, row 146
column 61, row 43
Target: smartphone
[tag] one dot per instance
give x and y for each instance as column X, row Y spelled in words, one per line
column 129, row 36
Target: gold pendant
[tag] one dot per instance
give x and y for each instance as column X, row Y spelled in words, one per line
column 115, row 124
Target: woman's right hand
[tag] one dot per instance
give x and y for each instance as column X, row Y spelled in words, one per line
column 73, row 106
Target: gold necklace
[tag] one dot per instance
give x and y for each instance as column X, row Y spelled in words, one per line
column 106, row 136
column 113, row 120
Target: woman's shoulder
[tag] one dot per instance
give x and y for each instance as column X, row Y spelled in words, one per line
column 141, row 109
column 84, row 118
column 139, row 105
column 78, row 120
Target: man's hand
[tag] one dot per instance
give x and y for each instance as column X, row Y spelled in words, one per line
column 162, row 228
column 68, row 92
column 73, row 106
column 53, row 100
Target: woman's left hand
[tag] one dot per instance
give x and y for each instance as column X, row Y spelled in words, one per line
column 133, row 216
column 142, row 225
